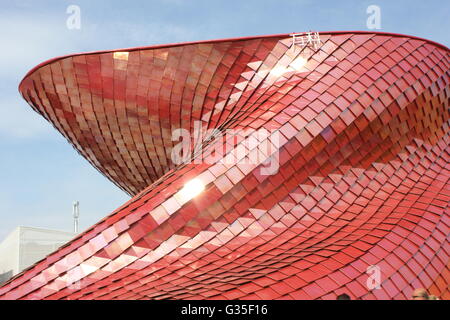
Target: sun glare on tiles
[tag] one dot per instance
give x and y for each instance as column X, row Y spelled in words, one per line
column 121, row 55
column 298, row 63
column 192, row 189
column 295, row 65
column 278, row 71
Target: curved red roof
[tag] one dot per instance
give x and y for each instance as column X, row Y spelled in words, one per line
column 357, row 128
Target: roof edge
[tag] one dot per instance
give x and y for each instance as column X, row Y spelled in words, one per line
column 177, row 44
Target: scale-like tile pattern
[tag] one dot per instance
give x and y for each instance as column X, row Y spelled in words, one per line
column 362, row 142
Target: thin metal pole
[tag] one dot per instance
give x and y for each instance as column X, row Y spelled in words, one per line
column 76, row 215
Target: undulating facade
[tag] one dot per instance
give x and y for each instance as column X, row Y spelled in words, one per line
column 346, row 190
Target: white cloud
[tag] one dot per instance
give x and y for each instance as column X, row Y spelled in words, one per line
column 151, row 33
column 28, row 42
column 18, row 120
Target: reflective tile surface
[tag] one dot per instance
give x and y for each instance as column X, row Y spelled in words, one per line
column 359, row 133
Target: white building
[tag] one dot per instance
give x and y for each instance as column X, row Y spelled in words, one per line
column 25, row 246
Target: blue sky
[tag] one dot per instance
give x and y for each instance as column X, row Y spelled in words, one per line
column 41, row 175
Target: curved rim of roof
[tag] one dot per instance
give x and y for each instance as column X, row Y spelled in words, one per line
column 171, row 45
